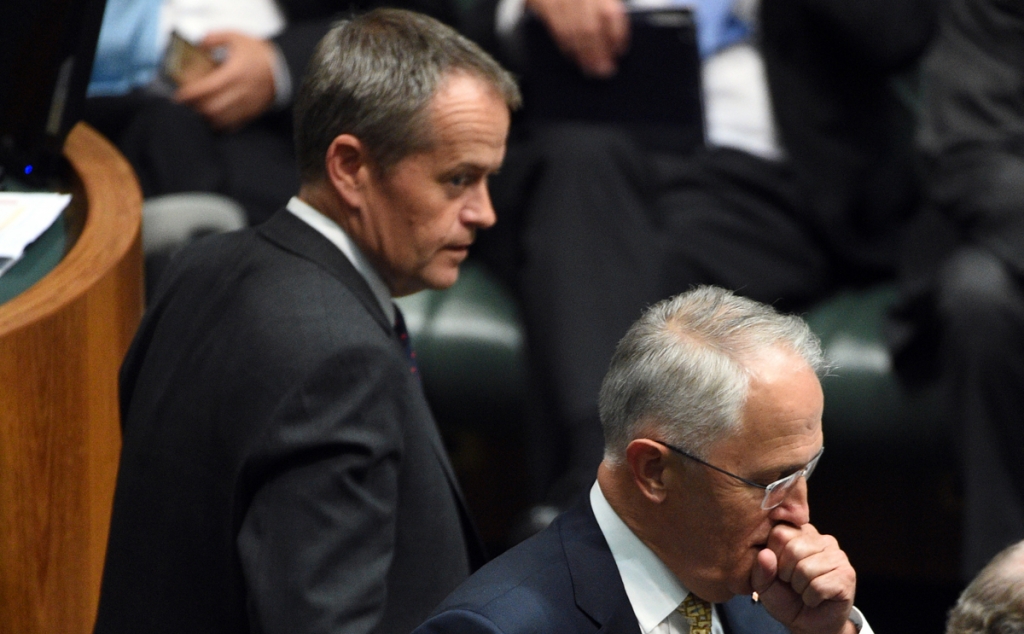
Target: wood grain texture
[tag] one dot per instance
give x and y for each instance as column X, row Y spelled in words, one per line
column 61, row 344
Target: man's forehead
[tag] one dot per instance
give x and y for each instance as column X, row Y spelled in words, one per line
column 781, row 422
column 469, row 123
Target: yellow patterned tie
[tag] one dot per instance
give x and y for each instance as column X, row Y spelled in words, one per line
column 698, row 612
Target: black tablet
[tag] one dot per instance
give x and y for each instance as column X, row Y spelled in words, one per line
column 656, row 93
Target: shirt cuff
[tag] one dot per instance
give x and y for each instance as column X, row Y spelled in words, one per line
column 858, row 620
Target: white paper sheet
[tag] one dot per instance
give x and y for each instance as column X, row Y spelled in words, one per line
column 23, row 218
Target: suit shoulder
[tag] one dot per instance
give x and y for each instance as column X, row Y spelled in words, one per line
column 526, row 589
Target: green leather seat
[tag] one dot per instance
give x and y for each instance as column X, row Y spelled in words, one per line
column 470, row 346
column 864, row 404
column 470, row 349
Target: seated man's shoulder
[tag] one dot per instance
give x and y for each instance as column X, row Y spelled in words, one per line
column 529, row 588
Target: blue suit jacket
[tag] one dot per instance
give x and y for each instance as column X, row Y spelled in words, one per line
column 563, row 580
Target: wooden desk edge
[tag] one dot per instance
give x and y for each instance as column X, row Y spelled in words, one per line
column 109, row 184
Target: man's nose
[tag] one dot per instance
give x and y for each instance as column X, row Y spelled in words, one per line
column 794, row 509
column 479, row 212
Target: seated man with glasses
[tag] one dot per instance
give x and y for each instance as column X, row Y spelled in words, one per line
column 699, row 520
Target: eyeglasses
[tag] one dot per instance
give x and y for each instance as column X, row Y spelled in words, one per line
column 775, row 492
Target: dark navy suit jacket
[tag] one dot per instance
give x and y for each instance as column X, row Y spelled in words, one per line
column 561, row 581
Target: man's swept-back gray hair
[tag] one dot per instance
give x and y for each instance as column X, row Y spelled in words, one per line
column 373, row 76
column 994, row 602
column 683, row 370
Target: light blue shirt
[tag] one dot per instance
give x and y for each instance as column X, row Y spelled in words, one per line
column 127, row 53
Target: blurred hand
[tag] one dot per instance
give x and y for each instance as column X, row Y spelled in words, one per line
column 593, row 33
column 805, row 580
column 240, row 89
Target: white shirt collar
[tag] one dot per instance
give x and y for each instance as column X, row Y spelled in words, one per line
column 653, row 591
column 333, row 232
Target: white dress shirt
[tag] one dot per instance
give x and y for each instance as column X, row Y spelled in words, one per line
column 333, row 232
column 193, row 19
column 653, row 590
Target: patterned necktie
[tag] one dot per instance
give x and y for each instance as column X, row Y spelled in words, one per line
column 403, row 336
column 698, row 612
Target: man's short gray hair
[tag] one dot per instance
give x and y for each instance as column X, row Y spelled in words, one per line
column 993, row 603
column 373, row 76
column 683, row 369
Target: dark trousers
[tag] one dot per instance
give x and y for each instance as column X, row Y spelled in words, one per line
column 172, row 149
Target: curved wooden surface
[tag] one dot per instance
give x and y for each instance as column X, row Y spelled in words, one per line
column 61, row 344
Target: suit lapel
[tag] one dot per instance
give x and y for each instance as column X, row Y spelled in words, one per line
column 295, row 236
column 597, row 585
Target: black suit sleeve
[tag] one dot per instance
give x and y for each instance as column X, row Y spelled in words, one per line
column 317, row 539
column 973, row 124
column 886, row 33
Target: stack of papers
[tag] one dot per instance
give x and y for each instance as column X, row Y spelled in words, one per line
column 23, row 218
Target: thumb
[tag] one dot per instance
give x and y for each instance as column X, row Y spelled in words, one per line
column 765, row 570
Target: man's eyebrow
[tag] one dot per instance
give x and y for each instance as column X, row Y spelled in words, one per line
column 471, row 166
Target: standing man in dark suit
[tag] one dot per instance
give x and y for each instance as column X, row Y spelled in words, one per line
column 712, row 419
column 802, row 188
column 281, row 470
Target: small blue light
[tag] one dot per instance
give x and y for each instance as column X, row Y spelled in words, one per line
column 28, row 170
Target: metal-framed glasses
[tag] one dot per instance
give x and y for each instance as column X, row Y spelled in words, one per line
column 775, row 492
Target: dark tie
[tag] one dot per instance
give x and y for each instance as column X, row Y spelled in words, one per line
column 403, row 336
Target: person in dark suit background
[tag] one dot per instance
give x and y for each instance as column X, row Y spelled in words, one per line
column 229, row 132
column 803, row 188
column 280, row 469
column 712, row 419
column 960, row 324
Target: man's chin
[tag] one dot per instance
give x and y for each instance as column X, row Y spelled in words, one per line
column 441, row 279
column 741, row 583
column 741, row 587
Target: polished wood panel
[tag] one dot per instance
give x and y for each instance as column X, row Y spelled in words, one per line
column 61, row 343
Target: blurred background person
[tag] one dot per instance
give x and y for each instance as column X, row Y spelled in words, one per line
column 961, row 320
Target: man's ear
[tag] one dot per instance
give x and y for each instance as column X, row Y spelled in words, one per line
column 647, row 461
column 348, row 165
